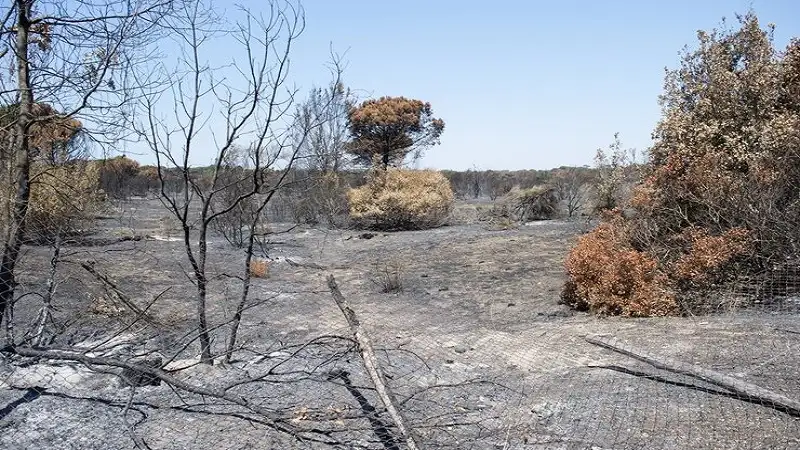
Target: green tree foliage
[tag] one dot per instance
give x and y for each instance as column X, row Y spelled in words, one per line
column 391, row 128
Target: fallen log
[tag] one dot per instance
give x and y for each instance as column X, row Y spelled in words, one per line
column 736, row 386
column 371, row 365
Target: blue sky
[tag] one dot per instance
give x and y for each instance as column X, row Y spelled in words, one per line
column 519, row 84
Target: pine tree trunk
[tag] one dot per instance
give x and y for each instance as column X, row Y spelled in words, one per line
column 16, row 230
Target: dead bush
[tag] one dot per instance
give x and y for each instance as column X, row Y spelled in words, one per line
column 707, row 256
column 535, row 203
column 118, row 177
column 719, row 199
column 725, row 157
column 64, row 200
column 321, row 200
column 388, row 276
column 521, row 205
column 497, row 217
column 400, row 199
column 607, row 276
column 259, row 268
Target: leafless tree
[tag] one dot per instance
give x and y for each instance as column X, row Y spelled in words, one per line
column 497, row 184
column 234, row 224
column 78, row 58
column 323, row 151
column 255, row 108
column 571, row 185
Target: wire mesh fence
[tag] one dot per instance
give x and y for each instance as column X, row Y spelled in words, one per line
column 472, row 346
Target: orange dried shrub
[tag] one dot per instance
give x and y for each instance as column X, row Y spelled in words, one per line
column 259, row 268
column 608, row 276
column 642, row 197
column 708, row 255
column 719, row 197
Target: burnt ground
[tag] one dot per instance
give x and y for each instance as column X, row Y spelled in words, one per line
column 476, row 346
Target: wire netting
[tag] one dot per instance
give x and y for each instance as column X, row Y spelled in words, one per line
column 473, row 358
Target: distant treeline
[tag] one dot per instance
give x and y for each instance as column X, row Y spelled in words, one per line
column 122, row 177
column 573, row 190
column 492, row 184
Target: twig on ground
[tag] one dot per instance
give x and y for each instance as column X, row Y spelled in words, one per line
column 736, row 386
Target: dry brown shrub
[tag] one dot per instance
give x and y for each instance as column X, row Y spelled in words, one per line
column 64, row 199
column 607, row 276
column 707, row 255
column 400, row 199
column 259, row 268
column 535, row 203
column 719, row 202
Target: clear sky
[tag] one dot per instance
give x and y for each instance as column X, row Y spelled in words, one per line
column 520, row 84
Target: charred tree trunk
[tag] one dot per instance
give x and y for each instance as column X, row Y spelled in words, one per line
column 16, row 230
column 202, row 293
column 246, row 278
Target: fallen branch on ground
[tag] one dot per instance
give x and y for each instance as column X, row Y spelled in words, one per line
column 305, row 265
column 736, row 386
column 271, row 418
column 371, row 365
column 116, row 292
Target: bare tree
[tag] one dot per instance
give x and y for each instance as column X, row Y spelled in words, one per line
column 571, row 186
column 77, row 57
column 318, row 186
column 497, row 184
column 612, row 168
column 324, row 150
column 235, row 176
column 255, row 114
